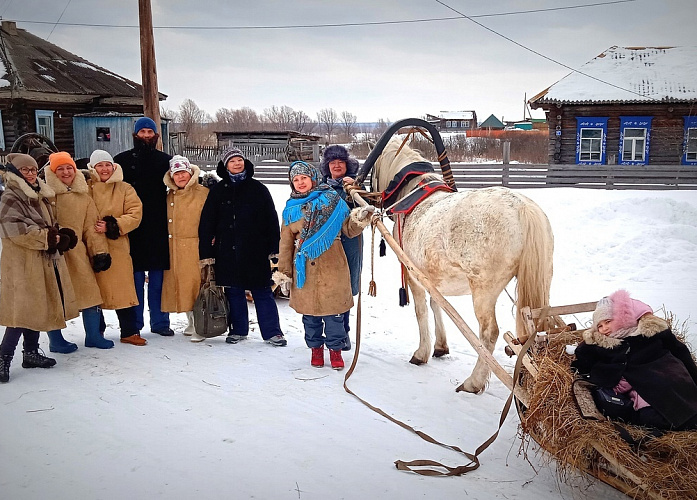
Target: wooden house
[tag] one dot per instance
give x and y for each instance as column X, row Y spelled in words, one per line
column 492, row 123
column 627, row 106
column 453, row 121
column 43, row 87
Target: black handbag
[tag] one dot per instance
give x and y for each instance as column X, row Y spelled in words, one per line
column 614, row 406
column 211, row 306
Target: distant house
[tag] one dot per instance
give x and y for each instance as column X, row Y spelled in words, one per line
column 492, row 123
column 453, row 121
column 42, row 87
column 629, row 106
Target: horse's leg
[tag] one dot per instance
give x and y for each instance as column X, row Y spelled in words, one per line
column 485, row 310
column 441, row 348
column 419, row 296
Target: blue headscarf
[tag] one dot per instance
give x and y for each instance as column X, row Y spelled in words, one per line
column 324, row 213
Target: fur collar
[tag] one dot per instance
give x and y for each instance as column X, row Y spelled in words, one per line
column 117, row 176
column 79, row 183
column 17, row 183
column 169, row 182
column 649, row 325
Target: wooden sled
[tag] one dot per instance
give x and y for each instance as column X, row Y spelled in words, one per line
column 658, row 468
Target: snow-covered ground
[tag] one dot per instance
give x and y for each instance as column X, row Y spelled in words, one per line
column 179, row 420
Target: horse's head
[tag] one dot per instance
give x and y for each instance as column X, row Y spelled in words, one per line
column 391, row 161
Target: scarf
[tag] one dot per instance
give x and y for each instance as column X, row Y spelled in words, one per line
column 235, row 178
column 324, row 213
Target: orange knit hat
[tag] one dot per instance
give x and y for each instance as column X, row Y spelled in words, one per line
column 60, row 158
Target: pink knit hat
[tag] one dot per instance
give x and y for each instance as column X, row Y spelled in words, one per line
column 622, row 309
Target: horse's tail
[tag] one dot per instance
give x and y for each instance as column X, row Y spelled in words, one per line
column 534, row 277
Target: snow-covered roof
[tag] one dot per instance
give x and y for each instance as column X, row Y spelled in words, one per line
column 629, row 74
column 456, row 115
column 31, row 64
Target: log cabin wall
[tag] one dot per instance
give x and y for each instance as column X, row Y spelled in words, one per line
column 667, row 130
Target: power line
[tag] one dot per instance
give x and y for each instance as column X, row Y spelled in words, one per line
column 332, row 25
column 470, row 18
column 59, row 18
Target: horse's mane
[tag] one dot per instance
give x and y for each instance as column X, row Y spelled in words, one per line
column 387, row 165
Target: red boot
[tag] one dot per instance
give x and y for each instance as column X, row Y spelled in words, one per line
column 317, row 357
column 336, row 359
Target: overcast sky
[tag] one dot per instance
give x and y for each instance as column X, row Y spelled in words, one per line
column 388, row 71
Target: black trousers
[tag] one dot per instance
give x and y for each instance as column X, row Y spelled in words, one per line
column 11, row 339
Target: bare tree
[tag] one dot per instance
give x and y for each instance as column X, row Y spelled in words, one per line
column 193, row 121
column 381, row 127
column 280, row 117
column 238, row 120
column 348, row 125
column 327, row 120
column 302, row 123
column 170, row 114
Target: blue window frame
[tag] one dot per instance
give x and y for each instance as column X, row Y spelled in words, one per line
column 635, row 135
column 591, row 139
column 689, row 155
column 44, row 123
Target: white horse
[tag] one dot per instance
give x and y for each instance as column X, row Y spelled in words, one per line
column 470, row 242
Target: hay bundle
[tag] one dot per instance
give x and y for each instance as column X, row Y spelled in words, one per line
column 661, row 467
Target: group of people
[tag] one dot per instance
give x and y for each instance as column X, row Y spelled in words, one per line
column 80, row 242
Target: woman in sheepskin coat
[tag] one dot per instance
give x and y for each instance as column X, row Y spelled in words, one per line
column 75, row 209
column 181, row 283
column 634, row 352
column 120, row 211
column 312, row 261
column 36, row 293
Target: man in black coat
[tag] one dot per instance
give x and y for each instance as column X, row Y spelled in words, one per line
column 239, row 229
column 144, row 167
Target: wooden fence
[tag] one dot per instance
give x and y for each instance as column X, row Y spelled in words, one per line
column 518, row 176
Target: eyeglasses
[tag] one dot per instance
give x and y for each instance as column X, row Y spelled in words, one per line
column 29, row 170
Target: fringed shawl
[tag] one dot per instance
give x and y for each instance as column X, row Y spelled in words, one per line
column 324, row 212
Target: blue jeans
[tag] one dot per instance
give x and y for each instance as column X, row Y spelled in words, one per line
column 265, row 304
column 158, row 320
column 334, row 333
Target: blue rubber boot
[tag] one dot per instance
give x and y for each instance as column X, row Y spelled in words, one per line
column 58, row 344
column 91, row 319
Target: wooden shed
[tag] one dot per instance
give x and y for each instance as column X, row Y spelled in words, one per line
column 111, row 131
column 272, row 145
column 42, row 87
column 627, row 106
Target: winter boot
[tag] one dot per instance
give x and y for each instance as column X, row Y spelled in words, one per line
column 317, row 357
column 35, row 359
column 91, row 319
column 5, row 361
column 58, row 344
column 336, row 359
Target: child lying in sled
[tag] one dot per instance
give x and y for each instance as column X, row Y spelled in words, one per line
column 630, row 351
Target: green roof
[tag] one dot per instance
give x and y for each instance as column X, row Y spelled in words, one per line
column 492, row 122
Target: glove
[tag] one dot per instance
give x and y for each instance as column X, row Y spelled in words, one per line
column 283, row 281
column 51, row 240
column 72, row 237
column 101, row 262
column 205, row 262
column 273, row 258
column 63, row 244
column 365, row 212
column 112, row 228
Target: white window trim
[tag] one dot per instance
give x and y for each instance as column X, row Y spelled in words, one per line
column 2, row 133
column 634, row 140
column 590, row 151
column 690, row 155
column 45, row 113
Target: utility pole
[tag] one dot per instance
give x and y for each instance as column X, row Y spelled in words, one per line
column 151, row 101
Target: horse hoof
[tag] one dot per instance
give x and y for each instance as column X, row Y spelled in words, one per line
column 416, row 361
column 437, row 353
column 467, row 387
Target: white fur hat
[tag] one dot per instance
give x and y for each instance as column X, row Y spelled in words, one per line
column 99, row 155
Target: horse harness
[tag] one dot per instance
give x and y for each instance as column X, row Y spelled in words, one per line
column 423, row 190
